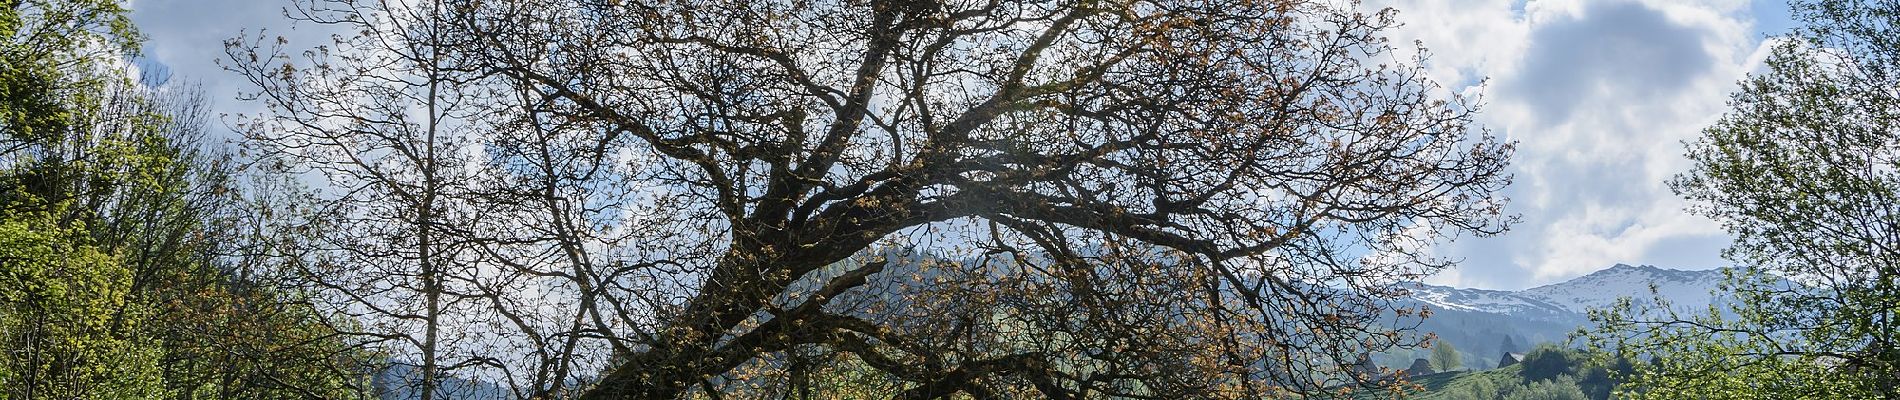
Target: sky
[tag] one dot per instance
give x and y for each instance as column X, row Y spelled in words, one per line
column 1599, row 95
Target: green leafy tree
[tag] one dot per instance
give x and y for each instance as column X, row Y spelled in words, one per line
column 1804, row 171
column 1549, row 372
column 51, row 52
column 1445, row 357
column 63, row 298
column 60, row 298
column 125, row 269
column 1558, row 388
column 176, row 282
column 1548, row 362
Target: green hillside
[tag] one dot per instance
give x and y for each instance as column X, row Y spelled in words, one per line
column 1456, row 384
column 1437, row 386
column 1548, row 373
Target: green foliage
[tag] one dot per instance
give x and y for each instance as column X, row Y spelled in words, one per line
column 1506, row 384
column 1802, row 171
column 1686, row 359
column 128, row 269
column 1560, row 388
column 814, row 372
column 1547, row 362
column 122, row 239
column 53, row 52
column 1480, row 386
column 62, row 315
column 1548, row 372
column 1444, row 356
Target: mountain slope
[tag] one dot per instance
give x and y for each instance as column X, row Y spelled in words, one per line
column 1445, row 298
column 1684, row 289
column 1570, row 300
column 1483, row 324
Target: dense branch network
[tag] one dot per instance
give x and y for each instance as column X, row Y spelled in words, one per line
column 1060, row 198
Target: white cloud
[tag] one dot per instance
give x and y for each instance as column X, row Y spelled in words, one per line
column 187, row 37
column 1600, row 96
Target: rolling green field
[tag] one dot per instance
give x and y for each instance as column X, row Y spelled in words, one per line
column 1439, row 386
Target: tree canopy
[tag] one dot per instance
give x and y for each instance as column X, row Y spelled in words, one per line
column 1445, row 357
column 122, row 265
column 1045, row 198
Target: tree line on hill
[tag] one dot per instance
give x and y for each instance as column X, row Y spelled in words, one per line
column 1547, row 372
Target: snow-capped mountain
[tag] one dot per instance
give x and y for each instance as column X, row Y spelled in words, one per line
column 1571, row 299
column 1683, row 289
column 1484, row 323
column 1445, row 298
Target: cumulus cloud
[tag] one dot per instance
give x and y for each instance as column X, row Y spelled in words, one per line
column 1600, row 96
column 1612, row 51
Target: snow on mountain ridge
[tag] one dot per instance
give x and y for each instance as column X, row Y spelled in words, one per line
column 1684, row 289
column 1571, row 299
column 1479, row 300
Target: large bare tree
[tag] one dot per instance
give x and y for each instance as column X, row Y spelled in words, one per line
column 911, row 198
